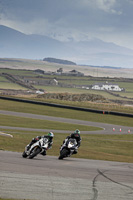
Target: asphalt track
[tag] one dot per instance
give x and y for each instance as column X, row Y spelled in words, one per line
column 47, row 178
column 107, row 128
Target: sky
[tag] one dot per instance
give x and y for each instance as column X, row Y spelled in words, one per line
column 66, row 20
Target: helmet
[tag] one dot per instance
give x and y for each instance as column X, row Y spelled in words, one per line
column 77, row 131
column 50, row 134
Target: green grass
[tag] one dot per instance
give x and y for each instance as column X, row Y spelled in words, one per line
column 3, row 79
column 12, row 199
column 65, row 113
column 92, row 105
column 127, row 85
column 7, row 120
column 100, row 147
column 58, row 89
column 9, row 199
column 64, row 79
column 126, row 95
column 6, row 85
column 18, row 72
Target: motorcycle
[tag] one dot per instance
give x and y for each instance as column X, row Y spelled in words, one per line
column 68, row 148
column 37, row 148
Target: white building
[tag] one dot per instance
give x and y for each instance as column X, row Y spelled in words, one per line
column 107, row 86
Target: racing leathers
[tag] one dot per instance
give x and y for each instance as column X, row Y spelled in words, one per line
column 50, row 142
column 77, row 138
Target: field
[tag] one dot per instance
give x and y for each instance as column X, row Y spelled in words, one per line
column 102, row 147
column 89, row 71
column 99, row 147
column 41, row 124
column 67, row 84
column 65, row 113
column 9, row 199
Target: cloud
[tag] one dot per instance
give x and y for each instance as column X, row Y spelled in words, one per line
column 110, row 20
column 106, row 5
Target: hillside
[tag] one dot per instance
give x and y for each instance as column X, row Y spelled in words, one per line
column 59, row 61
column 30, row 64
column 14, row 44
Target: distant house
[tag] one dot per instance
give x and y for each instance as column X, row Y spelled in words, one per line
column 60, row 70
column 53, row 82
column 75, row 73
column 39, row 71
column 107, row 86
column 40, row 91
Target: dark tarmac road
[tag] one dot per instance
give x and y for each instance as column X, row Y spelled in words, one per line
column 48, row 178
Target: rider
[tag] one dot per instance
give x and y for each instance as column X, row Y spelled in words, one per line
column 75, row 135
column 49, row 136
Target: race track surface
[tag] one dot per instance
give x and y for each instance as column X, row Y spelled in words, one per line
column 107, row 128
column 48, row 178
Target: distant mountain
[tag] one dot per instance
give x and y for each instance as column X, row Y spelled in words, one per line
column 14, row 44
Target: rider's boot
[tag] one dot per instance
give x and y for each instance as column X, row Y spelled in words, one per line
column 28, row 147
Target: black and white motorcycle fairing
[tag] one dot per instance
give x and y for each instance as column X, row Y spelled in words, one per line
column 38, row 147
column 68, row 148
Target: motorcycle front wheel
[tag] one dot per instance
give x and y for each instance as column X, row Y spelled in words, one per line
column 24, row 155
column 34, row 152
column 64, row 153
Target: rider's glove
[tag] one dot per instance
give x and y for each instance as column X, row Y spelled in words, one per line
column 50, row 146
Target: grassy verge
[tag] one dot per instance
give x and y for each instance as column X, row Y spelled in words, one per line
column 11, row 199
column 105, row 105
column 65, row 113
column 41, row 124
column 99, row 147
column 103, row 147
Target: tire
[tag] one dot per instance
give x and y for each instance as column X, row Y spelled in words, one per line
column 34, row 152
column 64, row 153
column 24, row 155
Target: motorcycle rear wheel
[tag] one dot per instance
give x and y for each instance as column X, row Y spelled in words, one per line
column 34, row 153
